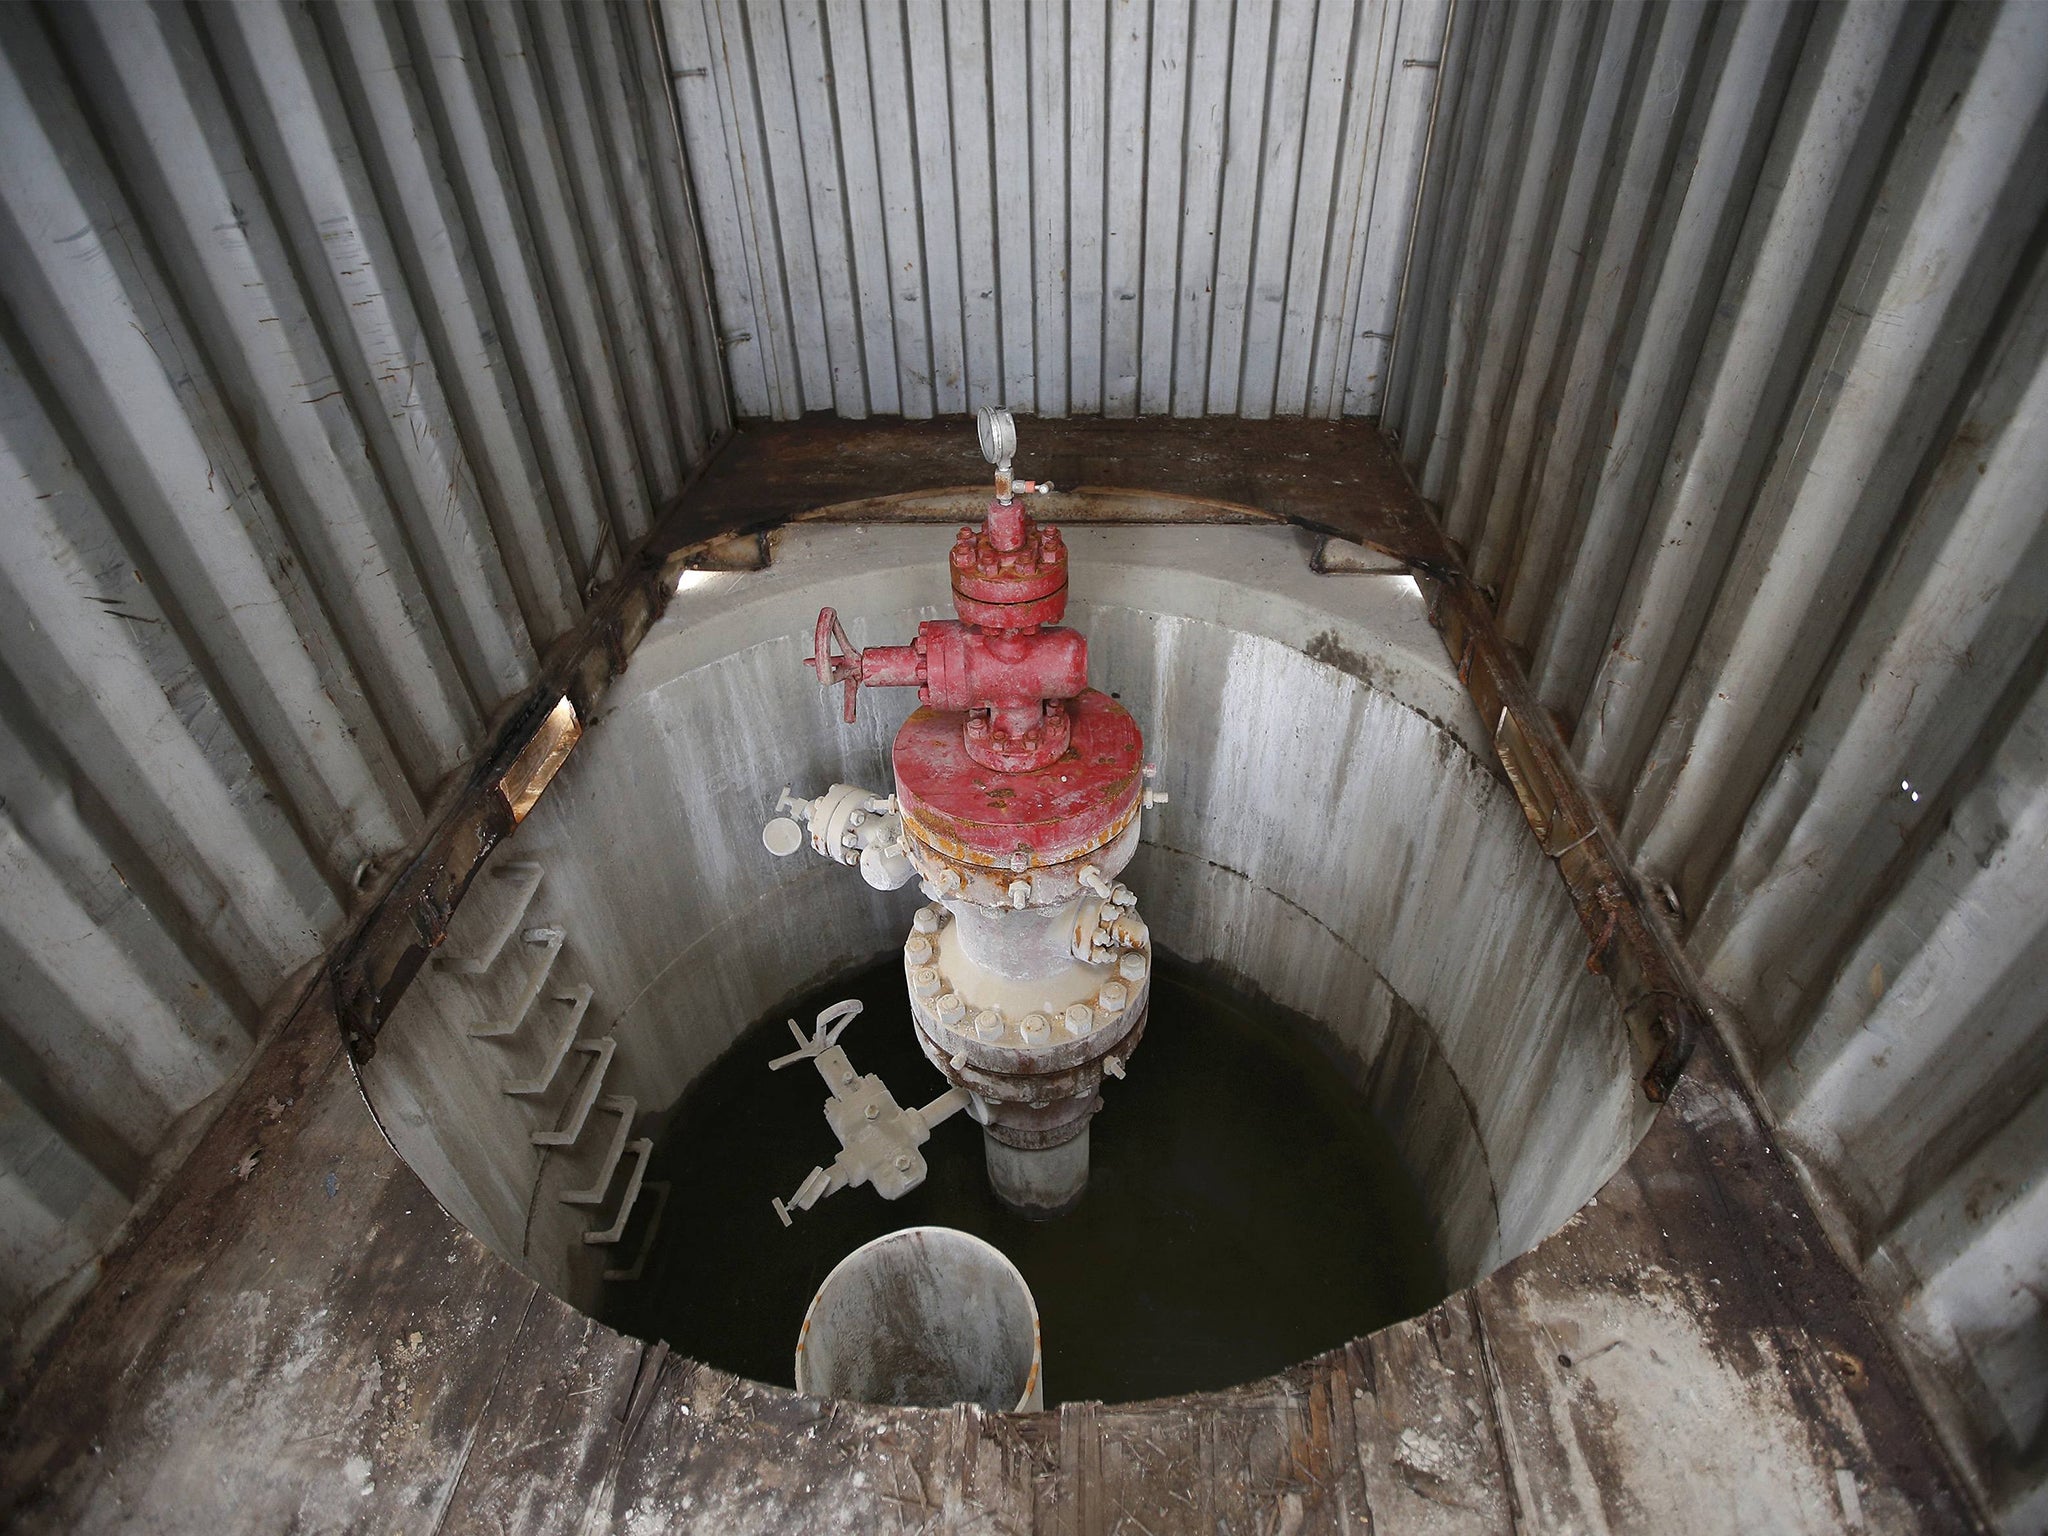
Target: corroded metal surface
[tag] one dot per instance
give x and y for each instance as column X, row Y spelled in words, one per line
column 1059, row 812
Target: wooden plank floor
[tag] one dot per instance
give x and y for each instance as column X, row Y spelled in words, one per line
column 305, row 1342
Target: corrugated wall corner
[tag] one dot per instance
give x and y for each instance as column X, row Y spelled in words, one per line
column 1725, row 356
column 1113, row 207
column 342, row 349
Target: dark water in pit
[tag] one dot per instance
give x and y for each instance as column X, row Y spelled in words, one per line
column 1244, row 1210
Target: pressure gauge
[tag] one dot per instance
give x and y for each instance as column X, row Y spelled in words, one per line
column 998, row 432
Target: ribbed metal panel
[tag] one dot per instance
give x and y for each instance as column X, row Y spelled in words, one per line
column 1185, row 206
column 342, row 349
column 1725, row 354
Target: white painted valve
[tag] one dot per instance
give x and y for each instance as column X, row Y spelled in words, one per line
column 848, row 825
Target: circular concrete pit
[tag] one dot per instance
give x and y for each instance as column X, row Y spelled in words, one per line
column 1339, row 843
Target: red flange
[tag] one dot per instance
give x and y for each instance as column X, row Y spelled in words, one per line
column 988, row 817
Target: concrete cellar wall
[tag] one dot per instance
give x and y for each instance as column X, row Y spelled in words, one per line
column 1333, row 839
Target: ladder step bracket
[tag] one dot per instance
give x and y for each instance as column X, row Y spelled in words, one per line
column 575, row 1004
column 624, row 1108
column 488, row 918
column 569, row 1129
column 510, row 1016
column 643, row 1149
column 658, row 1189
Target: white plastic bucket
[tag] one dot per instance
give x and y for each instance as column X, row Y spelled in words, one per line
column 924, row 1317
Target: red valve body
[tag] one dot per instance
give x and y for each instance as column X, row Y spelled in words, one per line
column 1012, row 676
column 995, row 773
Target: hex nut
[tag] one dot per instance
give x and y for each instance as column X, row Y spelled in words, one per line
column 1113, row 998
column 988, row 1024
column 924, row 981
column 950, row 1009
column 1080, row 1020
column 1132, row 967
column 917, row 949
column 926, row 920
column 1035, row 1026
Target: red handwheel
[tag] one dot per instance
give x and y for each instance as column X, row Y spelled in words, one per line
column 843, row 667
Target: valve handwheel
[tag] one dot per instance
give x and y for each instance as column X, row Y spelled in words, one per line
column 843, row 668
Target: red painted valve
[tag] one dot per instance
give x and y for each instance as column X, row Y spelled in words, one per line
column 1006, row 665
column 1018, row 795
column 1014, row 763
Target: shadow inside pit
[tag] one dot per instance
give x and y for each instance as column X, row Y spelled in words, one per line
column 1245, row 1210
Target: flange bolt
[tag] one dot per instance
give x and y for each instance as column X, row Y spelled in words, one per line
column 988, row 1024
column 1080, row 1020
column 924, row 981
column 1132, row 967
column 1113, row 997
column 1035, row 1026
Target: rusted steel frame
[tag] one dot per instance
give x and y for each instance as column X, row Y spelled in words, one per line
column 1634, row 952
column 369, row 970
column 1087, row 504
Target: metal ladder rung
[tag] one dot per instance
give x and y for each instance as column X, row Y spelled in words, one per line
column 551, row 949
column 579, row 1004
column 566, row 1133
column 659, row 1189
column 643, row 1149
column 623, row 1108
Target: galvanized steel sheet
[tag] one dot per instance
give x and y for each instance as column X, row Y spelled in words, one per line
column 342, row 350
column 1725, row 354
column 1101, row 206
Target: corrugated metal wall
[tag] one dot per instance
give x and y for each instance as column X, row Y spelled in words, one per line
column 1725, row 353
column 345, row 347
column 342, row 349
column 1098, row 206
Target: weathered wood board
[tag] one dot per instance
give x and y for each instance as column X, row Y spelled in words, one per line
column 315, row 1346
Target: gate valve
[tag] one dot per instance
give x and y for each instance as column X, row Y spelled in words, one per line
column 1018, row 796
column 1006, row 665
